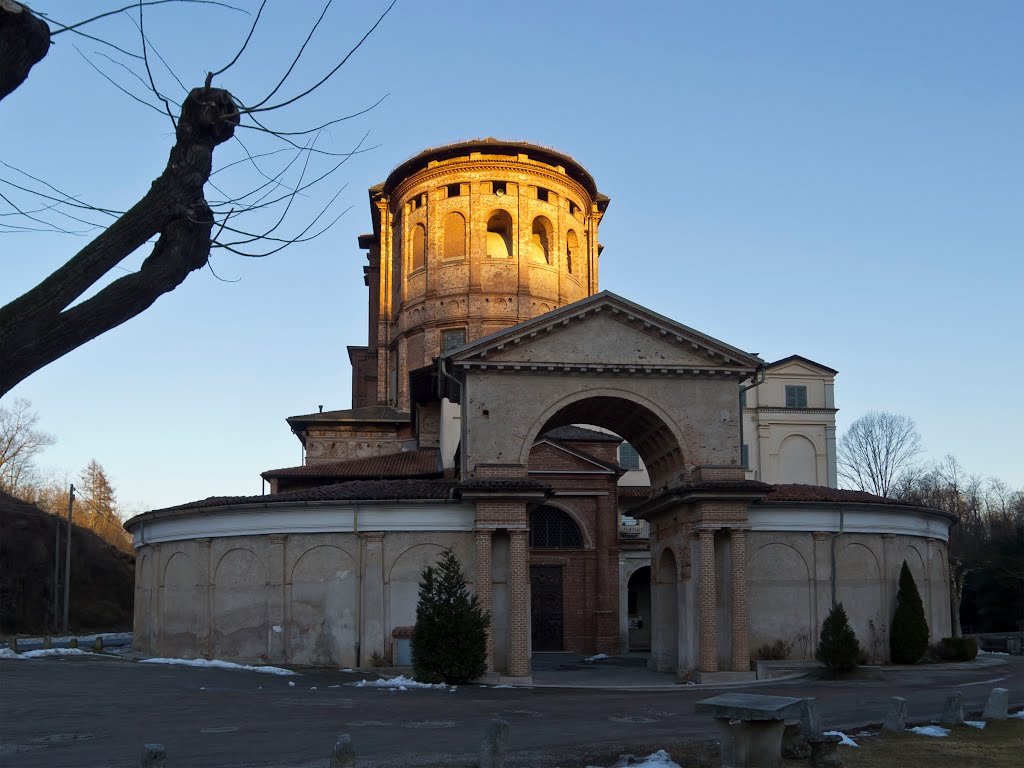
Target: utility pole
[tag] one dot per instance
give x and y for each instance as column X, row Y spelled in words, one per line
column 56, row 574
column 67, row 561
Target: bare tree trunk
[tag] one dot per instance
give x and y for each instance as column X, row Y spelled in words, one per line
column 24, row 41
column 37, row 328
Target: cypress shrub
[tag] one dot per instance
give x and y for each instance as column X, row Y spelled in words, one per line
column 908, row 638
column 955, row 649
column 449, row 643
column 838, row 648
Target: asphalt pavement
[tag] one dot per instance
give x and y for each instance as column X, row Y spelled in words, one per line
column 98, row 711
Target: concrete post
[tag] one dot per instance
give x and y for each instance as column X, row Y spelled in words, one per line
column 344, row 754
column 707, row 618
column 953, row 713
column 483, row 567
column 204, row 598
column 997, row 704
column 519, row 604
column 896, row 717
column 153, row 756
column 740, row 656
column 495, row 744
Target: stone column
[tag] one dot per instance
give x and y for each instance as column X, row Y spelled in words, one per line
column 738, row 603
column 519, row 604
column 707, row 618
column 482, row 568
column 276, row 650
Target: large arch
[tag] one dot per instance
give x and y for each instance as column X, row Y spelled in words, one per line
column 641, row 422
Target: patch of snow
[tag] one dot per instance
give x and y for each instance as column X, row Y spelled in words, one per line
column 7, row 653
column 44, row 652
column 1018, row 714
column 659, row 759
column 291, row 683
column 845, row 740
column 347, row 669
column 992, row 653
column 930, row 730
column 218, row 664
column 312, row 687
column 979, row 724
column 597, row 657
column 401, row 683
column 503, row 686
column 277, row 629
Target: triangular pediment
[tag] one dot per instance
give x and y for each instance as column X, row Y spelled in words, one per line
column 795, row 365
column 605, row 330
column 549, row 456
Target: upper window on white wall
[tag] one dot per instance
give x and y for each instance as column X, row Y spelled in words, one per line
column 796, row 396
column 628, row 457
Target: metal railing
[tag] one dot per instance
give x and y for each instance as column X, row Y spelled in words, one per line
column 637, row 529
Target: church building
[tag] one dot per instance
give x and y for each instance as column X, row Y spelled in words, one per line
column 611, row 479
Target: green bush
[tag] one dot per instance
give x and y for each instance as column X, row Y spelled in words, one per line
column 838, row 648
column 955, row 649
column 449, row 643
column 908, row 637
column 774, row 651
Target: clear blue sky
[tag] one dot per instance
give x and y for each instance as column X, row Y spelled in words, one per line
column 837, row 180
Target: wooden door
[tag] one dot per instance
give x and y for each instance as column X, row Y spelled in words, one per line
column 546, row 607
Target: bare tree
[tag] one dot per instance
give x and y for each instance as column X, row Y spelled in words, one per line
column 20, row 443
column 52, row 318
column 876, row 449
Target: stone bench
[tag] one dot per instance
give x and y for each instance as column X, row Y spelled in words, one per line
column 751, row 726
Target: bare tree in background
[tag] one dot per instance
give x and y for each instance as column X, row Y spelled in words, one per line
column 21, row 441
column 876, row 450
column 52, row 318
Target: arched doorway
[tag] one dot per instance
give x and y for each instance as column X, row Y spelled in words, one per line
column 638, row 609
column 557, row 536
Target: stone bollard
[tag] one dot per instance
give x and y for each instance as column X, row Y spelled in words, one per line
column 153, row 756
column 953, row 714
column 97, row 644
column 13, row 644
column 896, row 717
column 823, row 751
column 73, row 643
column 810, row 721
column 794, row 743
column 344, row 754
column 47, row 642
column 997, row 704
column 494, row 745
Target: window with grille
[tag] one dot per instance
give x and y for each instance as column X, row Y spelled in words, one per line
column 796, row 396
column 628, row 457
column 551, row 528
column 452, row 338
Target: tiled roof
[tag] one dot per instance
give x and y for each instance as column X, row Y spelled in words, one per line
column 368, row 413
column 367, row 490
column 511, row 484
column 354, row 490
column 420, row 463
column 573, row 433
column 634, row 491
column 796, row 492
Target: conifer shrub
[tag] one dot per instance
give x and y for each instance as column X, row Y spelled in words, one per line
column 954, row 649
column 908, row 636
column 449, row 643
column 838, row 648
